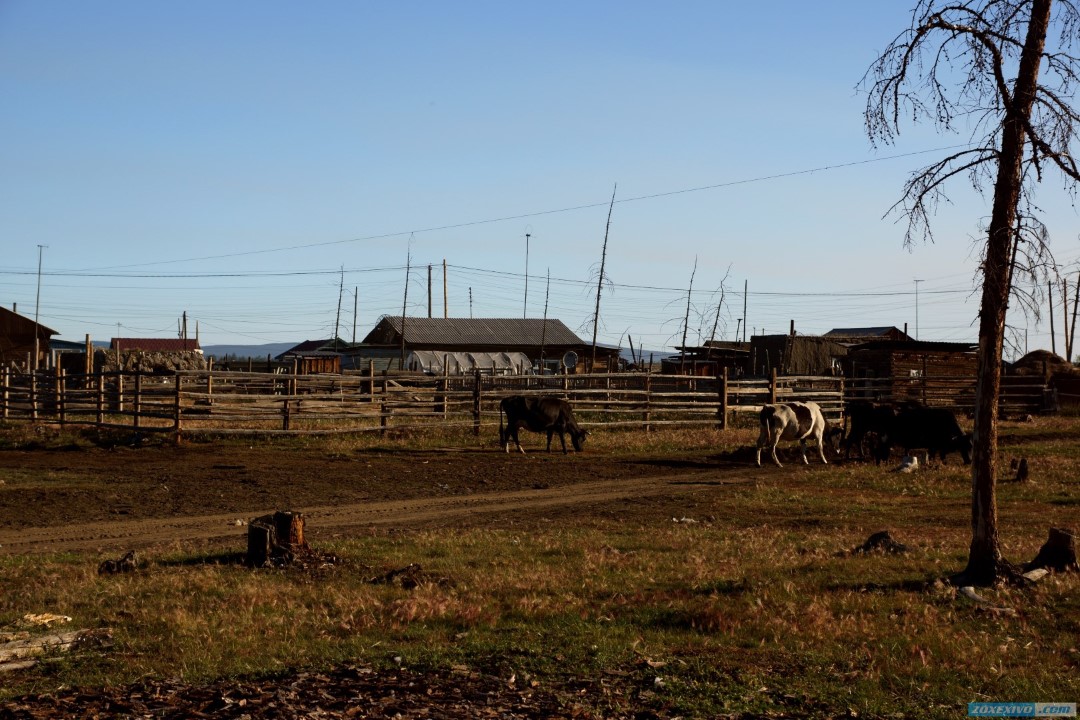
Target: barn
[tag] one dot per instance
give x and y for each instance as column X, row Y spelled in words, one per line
column 543, row 341
column 20, row 338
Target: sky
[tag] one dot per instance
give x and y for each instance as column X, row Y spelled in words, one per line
column 266, row 167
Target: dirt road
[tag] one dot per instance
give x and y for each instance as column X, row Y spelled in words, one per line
column 96, row 500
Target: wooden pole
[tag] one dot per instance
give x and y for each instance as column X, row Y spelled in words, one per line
column 58, row 392
column 772, row 386
column 1076, row 301
column 371, row 381
column 476, row 403
column 177, row 418
column 136, row 406
column 101, row 396
column 648, row 397
column 723, row 399
column 120, row 391
column 1050, row 299
column 33, row 395
column 1065, row 320
column 4, row 398
column 61, row 394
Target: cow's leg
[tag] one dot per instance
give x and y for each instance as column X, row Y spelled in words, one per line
column 821, row 448
column 802, row 449
column 562, row 439
column 762, row 442
column 517, row 441
column 550, row 434
column 772, row 450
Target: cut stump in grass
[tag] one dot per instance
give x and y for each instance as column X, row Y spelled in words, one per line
column 275, row 539
column 1058, row 553
column 880, row 542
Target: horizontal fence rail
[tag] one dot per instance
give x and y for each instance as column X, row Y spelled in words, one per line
column 230, row 402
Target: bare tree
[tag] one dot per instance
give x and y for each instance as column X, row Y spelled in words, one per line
column 984, row 66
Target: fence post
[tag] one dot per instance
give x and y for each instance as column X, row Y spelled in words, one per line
column 723, row 383
column 33, row 395
column 286, row 409
column 177, row 425
column 136, row 406
column 210, row 385
column 476, row 404
column 101, row 397
column 57, row 393
column 120, row 391
column 772, row 386
column 61, row 394
column 371, row 381
column 445, row 385
column 7, row 386
column 384, row 416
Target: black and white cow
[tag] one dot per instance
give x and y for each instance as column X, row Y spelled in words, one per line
column 539, row 414
column 794, row 421
column 935, row 430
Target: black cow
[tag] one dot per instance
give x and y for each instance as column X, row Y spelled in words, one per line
column 865, row 418
column 539, row 414
column 933, row 429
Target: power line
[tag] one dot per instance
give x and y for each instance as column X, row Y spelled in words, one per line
column 541, row 213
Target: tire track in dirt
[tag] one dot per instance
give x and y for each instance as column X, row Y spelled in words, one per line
column 339, row 519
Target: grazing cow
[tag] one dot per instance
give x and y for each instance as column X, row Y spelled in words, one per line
column 866, row 418
column 933, row 429
column 794, row 421
column 539, row 414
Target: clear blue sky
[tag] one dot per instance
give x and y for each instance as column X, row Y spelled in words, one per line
column 228, row 159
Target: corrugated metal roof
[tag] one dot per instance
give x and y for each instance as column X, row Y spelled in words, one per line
column 864, row 332
column 457, row 332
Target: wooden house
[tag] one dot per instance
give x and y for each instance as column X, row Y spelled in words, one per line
column 20, row 338
column 794, row 354
column 709, row 360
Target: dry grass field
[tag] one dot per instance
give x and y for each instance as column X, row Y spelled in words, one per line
column 659, row 575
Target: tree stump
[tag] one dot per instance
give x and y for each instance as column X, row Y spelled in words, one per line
column 275, row 539
column 1058, row 553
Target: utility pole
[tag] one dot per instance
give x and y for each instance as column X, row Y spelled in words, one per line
column 543, row 328
column 686, row 320
column 445, row 301
column 917, row 308
column 600, row 280
column 745, row 287
column 470, row 303
column 1050, row 299
column 337, row 318
column 525, row 308
column 405, row 302
column 37, row 305
column 429, row 290
column 355, row 302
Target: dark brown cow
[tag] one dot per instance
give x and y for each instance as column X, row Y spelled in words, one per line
column 539, row 414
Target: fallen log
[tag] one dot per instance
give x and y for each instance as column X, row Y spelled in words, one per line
column 21, row 650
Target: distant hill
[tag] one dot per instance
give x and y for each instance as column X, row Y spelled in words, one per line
column 218, row 352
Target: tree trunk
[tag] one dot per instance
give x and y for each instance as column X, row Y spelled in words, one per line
column 985, row 563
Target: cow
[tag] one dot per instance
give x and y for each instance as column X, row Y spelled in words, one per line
column 865, row 418
column 539, row 414
column 934, row 429
column 794, row 421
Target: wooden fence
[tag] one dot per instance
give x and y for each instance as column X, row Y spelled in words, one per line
column 226, row 403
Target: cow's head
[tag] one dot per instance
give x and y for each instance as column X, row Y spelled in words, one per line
column 964, row 443
column 833, row 438
column 577, row 437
